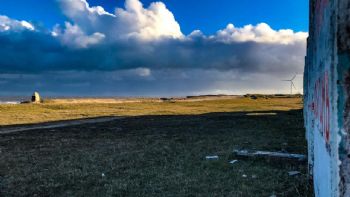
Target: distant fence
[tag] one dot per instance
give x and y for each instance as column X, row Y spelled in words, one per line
column 327, row 101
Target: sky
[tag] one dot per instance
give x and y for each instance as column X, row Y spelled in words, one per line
column 149, row 48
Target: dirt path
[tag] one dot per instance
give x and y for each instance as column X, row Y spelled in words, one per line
column 58, row 124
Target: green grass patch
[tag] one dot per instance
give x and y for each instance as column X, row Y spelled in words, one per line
column 159, row 149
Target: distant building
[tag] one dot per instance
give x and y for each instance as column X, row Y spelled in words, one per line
column 36, row 98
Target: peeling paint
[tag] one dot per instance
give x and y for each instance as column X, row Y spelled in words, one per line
column 327, row 97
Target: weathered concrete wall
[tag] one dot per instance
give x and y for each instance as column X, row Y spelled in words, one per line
column 326, row 106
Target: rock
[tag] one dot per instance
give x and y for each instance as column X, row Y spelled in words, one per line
column 36, row 98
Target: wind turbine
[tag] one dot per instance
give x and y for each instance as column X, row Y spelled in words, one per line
column 291, row 84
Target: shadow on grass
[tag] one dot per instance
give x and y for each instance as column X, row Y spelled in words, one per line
column 157, row 156
column 58, row 123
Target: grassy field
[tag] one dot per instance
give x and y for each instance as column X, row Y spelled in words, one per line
column 157, row 149
column 67, row 109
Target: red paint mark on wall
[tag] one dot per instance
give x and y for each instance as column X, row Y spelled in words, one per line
column 321, row 106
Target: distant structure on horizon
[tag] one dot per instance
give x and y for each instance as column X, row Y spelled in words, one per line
column 36, row 98
column 291, row 83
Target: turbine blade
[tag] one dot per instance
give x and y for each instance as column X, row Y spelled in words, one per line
column 294, row 77
column 294, row 85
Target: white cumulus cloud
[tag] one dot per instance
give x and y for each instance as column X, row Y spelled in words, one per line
column 135, row 21
column 156, row 23
column 261, row 33
column 7, row 24
column 73, row 36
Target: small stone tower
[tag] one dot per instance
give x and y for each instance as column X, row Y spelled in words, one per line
column 36, row 98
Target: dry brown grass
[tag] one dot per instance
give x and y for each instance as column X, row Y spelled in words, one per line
column 68, row 109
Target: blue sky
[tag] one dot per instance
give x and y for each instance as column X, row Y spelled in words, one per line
column 243, row 46
column 206, row 15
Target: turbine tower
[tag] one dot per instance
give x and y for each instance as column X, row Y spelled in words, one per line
column 291, row 84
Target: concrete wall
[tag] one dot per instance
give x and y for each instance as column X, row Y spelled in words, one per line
column 327, row 103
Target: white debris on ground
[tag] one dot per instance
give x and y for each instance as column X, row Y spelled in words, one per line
column 246, row 153
column 214, row 157
column 233, row 161
column 293, row 173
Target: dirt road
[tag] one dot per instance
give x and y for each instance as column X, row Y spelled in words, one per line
column 57, row 124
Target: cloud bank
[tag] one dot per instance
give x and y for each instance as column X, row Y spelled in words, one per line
column 142, row 51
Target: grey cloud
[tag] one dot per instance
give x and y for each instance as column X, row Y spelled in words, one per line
column 165, row 82
column 38, row 52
